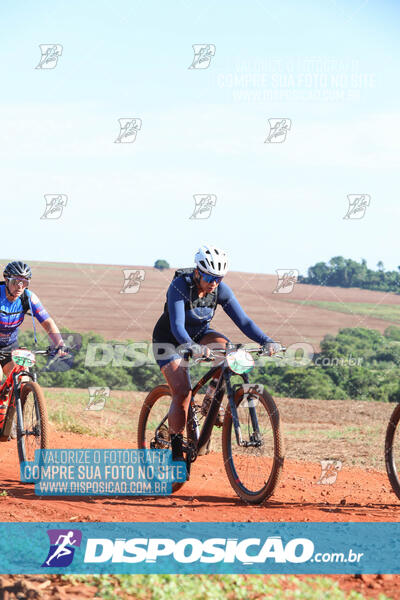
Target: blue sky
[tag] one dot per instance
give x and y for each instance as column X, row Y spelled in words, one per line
column 330, row 67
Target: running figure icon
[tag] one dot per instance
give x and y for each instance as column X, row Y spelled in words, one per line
column 62, row 549
column 63, row 543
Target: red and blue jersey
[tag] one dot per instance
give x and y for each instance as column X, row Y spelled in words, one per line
column 12, row 315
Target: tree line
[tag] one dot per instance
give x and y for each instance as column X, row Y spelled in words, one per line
column 357, row 363
column 345, row 272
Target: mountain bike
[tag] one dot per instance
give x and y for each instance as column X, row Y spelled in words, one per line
column 392, row 450
column 252, row 443
column 23, row 413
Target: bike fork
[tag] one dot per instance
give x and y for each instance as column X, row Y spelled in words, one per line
column 235, row 418
column 232, row 405
column 18, row 408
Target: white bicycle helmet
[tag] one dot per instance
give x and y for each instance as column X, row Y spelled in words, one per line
column 212, row 260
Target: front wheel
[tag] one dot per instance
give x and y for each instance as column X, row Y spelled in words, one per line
column 254, row 466
column 153, row 429
column 35, row 423
column 392, row 450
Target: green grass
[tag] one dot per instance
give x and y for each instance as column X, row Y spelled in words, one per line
column 215, row 587
column 65, row 422
column 353, row 432
column 67, row 411
column 386, row 312
column 350, row 431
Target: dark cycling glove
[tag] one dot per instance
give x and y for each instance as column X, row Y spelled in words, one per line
column 193, row 350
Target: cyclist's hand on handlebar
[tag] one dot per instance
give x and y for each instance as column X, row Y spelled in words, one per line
column 195, row 351
column 62, row 351
column 59, row 351
column 198, row 351
column 271, row 348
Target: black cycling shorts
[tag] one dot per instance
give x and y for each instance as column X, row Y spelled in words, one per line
column 4, row 361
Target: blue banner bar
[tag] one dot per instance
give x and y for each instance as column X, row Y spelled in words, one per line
column 280, row 548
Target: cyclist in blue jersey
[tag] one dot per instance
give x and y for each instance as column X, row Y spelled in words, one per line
column 191, row 302
column 15, row 301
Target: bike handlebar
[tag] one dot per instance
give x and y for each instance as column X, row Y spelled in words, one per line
column 49, row 351
column 222, row 352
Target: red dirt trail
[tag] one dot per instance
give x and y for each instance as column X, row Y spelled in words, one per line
column 357, row 495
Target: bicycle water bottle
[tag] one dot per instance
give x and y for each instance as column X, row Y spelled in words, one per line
column 209, row 395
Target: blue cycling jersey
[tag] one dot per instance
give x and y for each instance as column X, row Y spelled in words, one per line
column 12, row 315
column 188, row 323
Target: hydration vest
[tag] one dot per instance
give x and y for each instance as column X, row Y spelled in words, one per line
column 209, row 300
column 24, row 300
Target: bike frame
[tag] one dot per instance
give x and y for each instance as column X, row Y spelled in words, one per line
column 13, row 382
column 197, row 439
column 14, row 399
column 200, row 439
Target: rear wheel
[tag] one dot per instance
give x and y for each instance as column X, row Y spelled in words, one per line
column 254, row 467
column 153, row 429
column 35, row 423
column 392, row 450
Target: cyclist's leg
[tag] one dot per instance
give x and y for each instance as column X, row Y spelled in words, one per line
column 6, row 365
column 214, row 340
column 3, row 394
column 7, row 368
column 178, row 380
